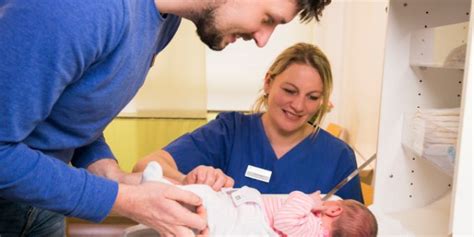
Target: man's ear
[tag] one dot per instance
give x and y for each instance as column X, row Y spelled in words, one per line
column 333, row 210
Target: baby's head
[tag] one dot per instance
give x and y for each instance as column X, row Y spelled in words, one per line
column 349, row 218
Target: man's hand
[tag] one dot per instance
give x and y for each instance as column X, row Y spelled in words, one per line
column 109, row 168
column 158, row 206
column 215, row 178
column 202, row 212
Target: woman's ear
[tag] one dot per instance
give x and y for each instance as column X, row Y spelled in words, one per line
column 333, row 210
column 267, row 83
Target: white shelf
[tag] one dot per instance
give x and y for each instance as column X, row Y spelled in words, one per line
column 437, row 65
column 408, row 191
column 439, row 47
column 414, row 221
column 431, row 134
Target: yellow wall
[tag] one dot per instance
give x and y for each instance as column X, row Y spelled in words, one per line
column 132, row 138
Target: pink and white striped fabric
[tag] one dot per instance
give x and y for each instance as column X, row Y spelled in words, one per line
column 292, row 216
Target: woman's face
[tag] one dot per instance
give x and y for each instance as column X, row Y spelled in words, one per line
column 294, row 96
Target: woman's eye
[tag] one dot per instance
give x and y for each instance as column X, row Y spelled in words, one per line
column 289, row 91
column 312, row 97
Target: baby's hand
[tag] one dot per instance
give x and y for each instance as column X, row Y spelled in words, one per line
column 317, row 202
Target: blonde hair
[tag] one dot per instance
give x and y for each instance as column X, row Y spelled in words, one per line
column 355, row 220
column 301, row 53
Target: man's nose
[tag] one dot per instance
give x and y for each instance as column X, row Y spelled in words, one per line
column 262, row 36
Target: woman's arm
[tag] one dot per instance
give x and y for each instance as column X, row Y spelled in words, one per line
column 170, row 169
column 199, row 175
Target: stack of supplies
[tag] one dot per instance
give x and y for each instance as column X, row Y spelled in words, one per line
column 432, row 134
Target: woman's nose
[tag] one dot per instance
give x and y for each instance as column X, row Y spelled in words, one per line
column 298, row 103
column 262, row 36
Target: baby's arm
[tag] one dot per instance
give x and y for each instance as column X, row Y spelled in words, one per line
column 317, row 201
column 295, row 217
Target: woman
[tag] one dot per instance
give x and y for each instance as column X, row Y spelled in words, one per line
column 277, row 149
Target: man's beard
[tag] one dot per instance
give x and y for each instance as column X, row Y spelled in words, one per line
column 207, row 31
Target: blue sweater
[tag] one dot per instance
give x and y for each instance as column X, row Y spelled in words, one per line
column 67, row 68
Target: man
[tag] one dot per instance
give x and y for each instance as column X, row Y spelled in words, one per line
column 67, row 68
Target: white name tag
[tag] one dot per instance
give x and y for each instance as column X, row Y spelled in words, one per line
column 258, row 173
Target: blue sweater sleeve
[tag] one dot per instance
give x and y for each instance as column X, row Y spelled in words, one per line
column 34, row 178
column 43, row 52
column 84, row 156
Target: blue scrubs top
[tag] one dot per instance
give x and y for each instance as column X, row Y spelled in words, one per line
column 233, row 141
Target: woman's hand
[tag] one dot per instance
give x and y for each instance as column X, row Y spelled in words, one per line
column 211, row 176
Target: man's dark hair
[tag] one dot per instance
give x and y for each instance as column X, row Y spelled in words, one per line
column 311, row 8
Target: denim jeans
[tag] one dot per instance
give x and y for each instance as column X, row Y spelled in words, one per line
column 18, row 220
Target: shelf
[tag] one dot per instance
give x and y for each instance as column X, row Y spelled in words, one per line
column 413, row 222
column 431, row 134
column 426, row 65
column 439, row 47
column 437, row 65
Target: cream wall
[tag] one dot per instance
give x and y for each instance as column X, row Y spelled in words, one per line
column 352, row 33
column 364, row 45
column 175, row 86
column 235, row 75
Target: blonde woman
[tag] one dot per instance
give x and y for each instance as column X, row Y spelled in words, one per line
column 279, row 147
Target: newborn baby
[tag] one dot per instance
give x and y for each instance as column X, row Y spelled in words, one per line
column 246, row 212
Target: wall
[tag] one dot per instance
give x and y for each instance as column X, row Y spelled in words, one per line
column 352, row 33
column 235, row 75
column 175, row 86
column 188, row 79
column 132, row 138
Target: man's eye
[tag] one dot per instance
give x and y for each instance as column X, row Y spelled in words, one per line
column 268, row 21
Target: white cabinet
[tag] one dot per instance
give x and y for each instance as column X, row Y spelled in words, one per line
column 426, row 66
column 439, row 47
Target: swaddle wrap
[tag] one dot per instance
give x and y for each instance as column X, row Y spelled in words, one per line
column 230, row 212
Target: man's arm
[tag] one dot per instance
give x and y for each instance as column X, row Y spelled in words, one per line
column 153, row 204
column 29, row 176
column 110, row 169
column 159, row 206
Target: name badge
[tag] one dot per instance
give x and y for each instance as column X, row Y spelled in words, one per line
column 258, row 173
